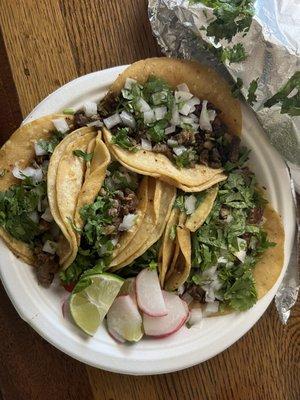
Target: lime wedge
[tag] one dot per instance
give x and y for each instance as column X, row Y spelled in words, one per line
column 89, row 306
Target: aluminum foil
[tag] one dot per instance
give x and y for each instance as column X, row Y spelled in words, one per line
column 272, row 45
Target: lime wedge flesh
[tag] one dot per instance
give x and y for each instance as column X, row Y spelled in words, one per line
column 89, row 307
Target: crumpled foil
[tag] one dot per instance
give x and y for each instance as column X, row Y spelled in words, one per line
column 273, row 48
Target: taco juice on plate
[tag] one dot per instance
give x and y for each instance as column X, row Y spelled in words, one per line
column 152, row 216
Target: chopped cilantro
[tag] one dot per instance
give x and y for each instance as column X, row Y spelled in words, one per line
column 251, row 98
column 122, row 139
column 290, row 104
column 179, row 202
column 186, row 158
column 234, row 54
column 50, row 144
column 69, row 111
column 85, row 156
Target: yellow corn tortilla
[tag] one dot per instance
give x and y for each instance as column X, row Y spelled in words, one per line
column 168, row 246
column 70, row 175
column 149, row 232
column 204, row 83
column 195, row 220
column 126, row 237
column 64, row 248
column 181, row 264
column 19, row 149
column 94, row 180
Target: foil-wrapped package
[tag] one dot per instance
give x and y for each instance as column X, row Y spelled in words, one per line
column 266, row 71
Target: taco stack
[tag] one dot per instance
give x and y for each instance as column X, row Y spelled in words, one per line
column 153, row 177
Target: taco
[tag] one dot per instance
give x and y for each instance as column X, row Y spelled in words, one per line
column 237, row 251
column 174, row 120
column 110, row 214
column 27, row 224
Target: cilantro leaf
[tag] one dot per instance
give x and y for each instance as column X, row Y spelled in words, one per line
column 251, row 98
column 186, row 158
column 289, row 104
column 121, row 139
column 234, row 54
column 85, row 156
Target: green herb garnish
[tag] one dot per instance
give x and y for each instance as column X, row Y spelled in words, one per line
column 85, row 156
column 251, row 98
column 121, row 139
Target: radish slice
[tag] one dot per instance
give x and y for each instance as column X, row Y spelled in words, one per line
column 124, row 319
column 116, row 336
column 149, row 294
column 172, row 322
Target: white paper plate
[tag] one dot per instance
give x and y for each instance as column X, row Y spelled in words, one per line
column 41, row 308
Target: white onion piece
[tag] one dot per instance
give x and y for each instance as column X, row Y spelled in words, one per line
column 242, row 244
column 194, row 101
column 186, row 109
column 211, row 308
column 180, row 290
column 35, row 173
column 50, row 247
column 172, row 143
column 170, row 129
column 229, row 218
column 129, row 82
column 96, row 124
column 210, row 272
column 204, row 119
column 187, row 298
column 112, row 121
column 183, row 87
column 61, row 125
column 47, row 216
column 90, row 108
column 175, row 120
column 146, row 144
column 222, row 260
column 160, row 112
column 182, row 96
column 196, row 316
column 211, row 115
column 190, row 204
column 114, row 241
column 34, row 216
column 142, row 105
column 39, row 151
column 194, row 118
column 128, row 119
column 149, row 116
column 128, row 222
column 179, row 150
column 241, row 255
column 187, row 121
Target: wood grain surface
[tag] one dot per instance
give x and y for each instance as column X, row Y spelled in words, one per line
column 44, row 44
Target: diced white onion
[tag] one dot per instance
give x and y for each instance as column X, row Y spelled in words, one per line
column 209, row 294
column 114, row 241
column 204, row 119
column 187, row 298
column 39, row 151
column 183, row 87
column 186, row 109
column 222, row 260
column 35, row 173
column 47, row 216
column 61, row 125
column 241, row 255
column 129, row 82
column 128, row 119
column 112, row 121
column 194, row 118
column 149, row 116
column 182, row 96
column 196, row 316
column 229, row 218
column 90, row 108
column 180, row 290
column 175, row 120
column 96, row 124
column 160, row 112
column 172, row 143
column 211, row 308
column 242, row 244
column 187, row 121
column 50, row 247
column 142, row 105
column 146, row 144
column 179, row 150
column 34, row 216
column 210, row 272
column 159, row 97
column 128, row 222
column 194, row 101
column 190, row 204
column 170, row 129
column 211, row 115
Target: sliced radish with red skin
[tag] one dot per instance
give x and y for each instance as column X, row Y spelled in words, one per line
column 124, row 319
column 164, row 326
column 149, row 294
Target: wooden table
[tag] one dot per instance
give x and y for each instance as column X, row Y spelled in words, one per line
column 45, row 44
